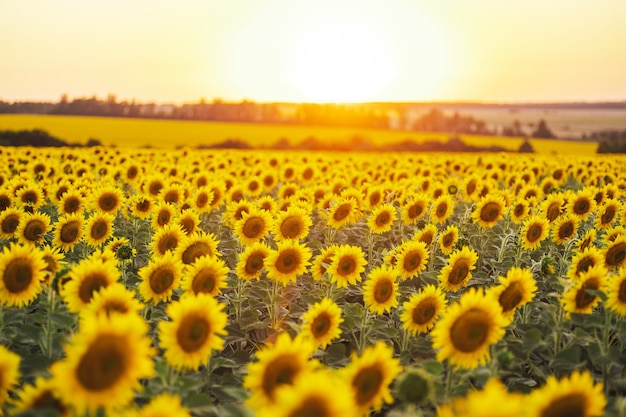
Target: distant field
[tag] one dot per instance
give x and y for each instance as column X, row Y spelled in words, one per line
column 124, row 132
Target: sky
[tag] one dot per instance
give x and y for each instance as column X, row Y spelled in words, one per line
column 314, row 51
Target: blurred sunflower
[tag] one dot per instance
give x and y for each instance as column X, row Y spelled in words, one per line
column 163, row 405
column 448, row 238
column 89, row 276
column 533, row 231
column 68, row 231
column 6, row 199
column 346, row 265
column 293, row 223
column 71, row 202
column 608, row 213
column 160, row 277
column 162, row 215
column 457, row 272
column 114, row 298
column 196, row 328
column 381, row 218
column 267, row 203
column 421, row 311
column 342, row 212
column 481, row 402
column 615, row 253
column 197, row 245
column 22, row 269
column 9, row 373
column 54, row 259
column 442, row 209
column 33, row 227
column 207, row 275
column 564, row 228
column 9, row 222
column 489, row 210
column 519, row 210
column 40, row 397
column 189, row 221
column 253, row 226
column 141, row 206
column 370, row 376
column 107, row 199
column 463, row 335
column 573, row 395
column 321, row 321
column 172, row 193
column 202, row 199
column 374, row 196
column 577, row 298
column 235, row 210
column 104, row 363
column 427, row 234
column 322, row 261
column 616, row 292
column 166, row 239
column 288, row 261
column 251, row 261
column 380, row 290
column 582, row 204
column 31, row 196
column 513, row 291
column 553, row 206
column 415, row 207
column 98, row 228
column 583, row 260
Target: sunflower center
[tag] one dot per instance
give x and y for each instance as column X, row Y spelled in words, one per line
column 91, row 284
column 608, row 215
column 311, row 407
column 320, row 325
column 161, row 279
column 583, row 298
column 204, row 281
column 554, row 210
column 194, row 251
column 46, row 399
column 167, row 243
column 33, row 230
column 425, row 311
column 254, row 263
column 581, row 206
column 383, row 219
column 291, row 227
column 442, row 209
column 367, row 383
column 427, row 238
column 374, row 198
column 383, row 291
column 104, row 363
column 155, row 187
column 459, row 272
column 511, row 296
column 132, row 172
column 99, row 229
column 566, row 230
column 570, row 405
column 188, row 226
column 346, row 266
column 171, row 197
column 470, row 187
column 342, row 212
column 490, row 212
column 192, row 333
column 10, row 223
column 584, row 264
column 71, row 204
column 143, row 206
column 621, row 294
column 164, row 217
column 469, row 332
column 616, row 254
column 69, row 232
column 288, row 261
column 447, row 240
column 519, row 210
column 253, row 227
column 115, row 306
column 280, row 371
column 18, row 275
column 30, row 197
column 416, row 210
column 202, row 200
column 534, row 232
column 108, row 202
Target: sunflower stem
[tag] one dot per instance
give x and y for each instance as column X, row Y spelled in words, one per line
column 363, row 333
column 605, row 348
column 449, row 379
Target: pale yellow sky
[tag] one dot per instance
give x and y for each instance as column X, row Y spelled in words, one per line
column 321, row 50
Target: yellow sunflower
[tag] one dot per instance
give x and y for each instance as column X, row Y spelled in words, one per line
column 235, row 211
column 278, row 364
column 321, row 321
column 197, row 245
column 40, row 396
column 160, row 278
column 267, row 203
column 71, row 202
column 207, row 275
column 251, row 261
column 166, row 239
column 533, row 231
column 381, row 218
column 613, row 233
column 164, row 405
column 54, row 259
column 104, row 363
column 98, row 228
column 114, row 298
column 370, row 376
column 31, row 195
column 481, row 402
column 552, row 206
column 346, row 265
column 68, row 231
column 583, row 260
column 577, row 299
column 582, row 204
column 374, row 196
column 421, row 311
column 342, row 212
column 463, row 335
column 322, row 261
column 573, row 395
column 448, row 238
column 513, row 291
column 196, row 328
column 10, row 221
column 172, row 193
column 489, row 210
column 442, row 209
column 564, row 228
column 415, row 207
column 457, row 273
column 33, row 227
column 9, row 372
column 293, row 223
column 189, row 221
column 162, row 214
column 615, row 253
column 427, row 234
column 141, row 206
column 519, row 210
column 88, row 277
column 616, row 292
column 288, row 261
column 22, row 269
column 380, row 290
column 607, row 213
column 107, row 199
column 253, row 226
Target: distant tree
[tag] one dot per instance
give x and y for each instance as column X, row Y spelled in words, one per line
column 543, row 131
column 526, row 147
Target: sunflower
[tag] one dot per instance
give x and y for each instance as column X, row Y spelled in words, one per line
column 196, row 328
column 252, row 261
column 98, row 228
column 552, row 206
column 471, row 185
column 71, row 202
column 343, row 212
column 489, row 210
column 427, row 234
column 481, row 402
column 10, row 221
column 141, row 206
column 162, row 215
column 582, row 204
column 519, row 210
column 442, row 209
column 322, row 261
column 153, row 185
column 615, row 253
column 370, row 376
column 267, row 203
column 40, row 396
column 253, row 226
column 104, row 363
column 564, row 228
column 294, row 223
column 616, row 292
column 607, row 213
column 415, row 208
column 421, row 311
column 410, row 259
column 448, row 238
column 31, row 195
column 218, row 192
column 577, row 299
column 9, row 372
column 173, row 194
column 321, row 322
column 54, row 259
column 197, row 245
column 163, row 405
column 458, row 271
column 575, row 395
column 88, row 277
column 166, row 239
column 380, row 290
column 374, row 196
column 583, row 260
column 207, row 275
column 33, row 227
column 6, row 199
column 68, row 231
column 278, row 364
column 107, row 199
column 114, row 298
column 160, row 278
column 288, row 261
column 381, row 218
column 463, row 335
column 533, row 231
column 587, row 240
column 513, row 291
column 22, row 269
column 320, row 394
column 189, row 221
column 347, row 265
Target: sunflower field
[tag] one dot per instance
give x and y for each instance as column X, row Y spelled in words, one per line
column 142, row 282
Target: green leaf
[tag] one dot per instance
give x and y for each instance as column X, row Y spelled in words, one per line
column 200, row 404
column 433, row 367
column 234, row 410
column 567, row 360
column 533, row 338
column 62, row 320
